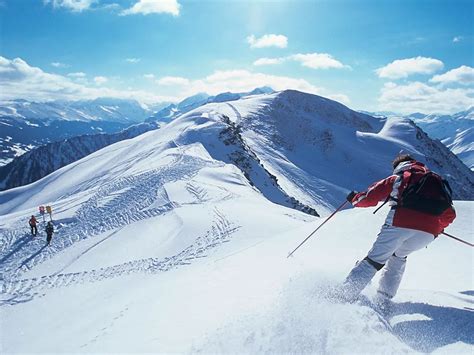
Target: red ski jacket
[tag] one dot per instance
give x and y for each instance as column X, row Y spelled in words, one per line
column 393, row 186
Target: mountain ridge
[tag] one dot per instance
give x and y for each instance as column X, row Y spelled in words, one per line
column 307, row 157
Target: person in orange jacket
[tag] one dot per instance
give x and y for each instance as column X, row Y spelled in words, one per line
column 33, row 222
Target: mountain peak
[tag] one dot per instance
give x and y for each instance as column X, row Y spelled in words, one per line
column 262, row 90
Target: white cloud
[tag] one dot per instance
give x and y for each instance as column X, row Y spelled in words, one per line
column 462, row 75
column 457, row 39
column 270, row 40
column 146, row 7
column 420, row 97
column 149, row 76
column 77, row 75
column 19, row 80
column 99, row 80
column 73, row 5
column 402, row 68
column 59, row 65
column 318, row 61
column 310, row 60
column 268, row 61
column 173, row 81
column 132, row 60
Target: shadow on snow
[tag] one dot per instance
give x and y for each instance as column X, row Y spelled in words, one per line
column 446, row 325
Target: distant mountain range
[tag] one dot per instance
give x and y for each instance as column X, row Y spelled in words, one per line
column 26, row 125
column 455, row 131
column 43, row 160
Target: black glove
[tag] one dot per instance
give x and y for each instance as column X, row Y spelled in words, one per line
column 351, row 195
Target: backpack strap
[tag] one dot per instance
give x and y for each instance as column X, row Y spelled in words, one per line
column 448, row 190
column 389, row 197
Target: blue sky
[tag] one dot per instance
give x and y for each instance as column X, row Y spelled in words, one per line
column 404, row 56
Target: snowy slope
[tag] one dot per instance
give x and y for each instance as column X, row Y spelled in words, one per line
column 209, row 276
column 171, row 242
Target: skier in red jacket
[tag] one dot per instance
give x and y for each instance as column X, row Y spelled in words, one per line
column 405, row 231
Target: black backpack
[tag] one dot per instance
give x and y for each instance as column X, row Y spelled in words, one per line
column 431, row 194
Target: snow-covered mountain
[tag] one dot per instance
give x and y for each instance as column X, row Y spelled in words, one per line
column 444, row 126
column 462, row 144
column 455, row 131
column 318, row 148
column 172, row 111
column 26, row 125
column 304, row 150
column 176, row 240
column 41, row 161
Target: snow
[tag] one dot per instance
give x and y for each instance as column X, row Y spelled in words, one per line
column 101, row 109
column 28, row 123
column 462, row 144
column 455, row 131
column 246, row 296
column 163, row 245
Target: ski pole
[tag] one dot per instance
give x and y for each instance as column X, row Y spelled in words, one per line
column 458, row 239
column 309, row 236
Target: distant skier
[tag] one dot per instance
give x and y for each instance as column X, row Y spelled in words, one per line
column 33, row 222
column 49, row 232
column 421, row 208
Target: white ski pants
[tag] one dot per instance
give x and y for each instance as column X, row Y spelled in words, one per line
column 399, row 241
column 389, row 251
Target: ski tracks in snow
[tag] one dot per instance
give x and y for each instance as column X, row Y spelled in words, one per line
column 111, row 207
column 198, row 192
column 116, row 204
column 24, row 290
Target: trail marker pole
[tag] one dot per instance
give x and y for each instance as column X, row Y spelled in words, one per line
column 50, row 211
column 41, row 210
